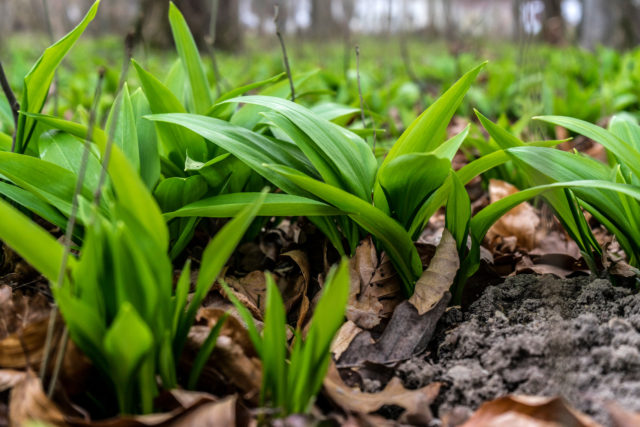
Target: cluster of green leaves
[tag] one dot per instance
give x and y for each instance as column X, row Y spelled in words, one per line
column 570, row 182
column 291, row 383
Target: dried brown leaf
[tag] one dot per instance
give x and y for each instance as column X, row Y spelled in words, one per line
column 520, row 222
column 345, row 335
column 415, row 402
column 438, row 278
column 28, row 402
column 529, row 411
column 620, row 417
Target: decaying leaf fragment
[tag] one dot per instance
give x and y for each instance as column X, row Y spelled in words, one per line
column 520, row 223
column 413, row 321
column 28, row 402
column 415, row 402
column 529, row 411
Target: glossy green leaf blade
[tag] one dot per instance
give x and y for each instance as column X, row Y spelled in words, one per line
column 50, row 182
column 31, row 242
column 458, row 213
column 274, row 356
column 33, row 203
column 449, row 148
column 190, row 58
column 177, row 141
column 39, row 78
column 125, row 132
column 147, row 140
column 328, row 147
column 275, row 204
column 408, row 180
column 393, row 237
column 624, row 151
column 249, row 147
column 422, row 135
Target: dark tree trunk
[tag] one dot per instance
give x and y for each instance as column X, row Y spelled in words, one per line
column 229, row 34
column 322, row 23
column 157, row 32
column 553, row 22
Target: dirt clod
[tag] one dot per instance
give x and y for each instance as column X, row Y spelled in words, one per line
column 537, row 335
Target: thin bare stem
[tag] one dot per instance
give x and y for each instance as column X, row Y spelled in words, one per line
column 284, row 51
column 71, row 224
column 47, row 19
column 362, row 117
column 13, row 103
column 64, row 340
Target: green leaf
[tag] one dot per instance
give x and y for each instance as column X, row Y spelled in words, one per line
column 32, row 242
column 33, row 203
column 214, row 258
column 275, row 204
column 127, row 342
column 126, row 134
column 274, row 363
column 309, row 364
column 624, row 151
column 393, row 237
column 251, row 148
column 458, row 213
column 147, row 140
column 48, row 181
column 39, row 78
column 176, row 140
column 190, row 58
column 408, row 180
column 329, row 147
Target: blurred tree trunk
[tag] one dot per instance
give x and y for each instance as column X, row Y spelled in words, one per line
column 229, row 34
column 157, row 32
column 322, row 23
column 553, row 22
column 517, row 19
column 611, row 23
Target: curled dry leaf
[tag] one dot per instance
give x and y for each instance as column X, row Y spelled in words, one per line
column 232, row 328
column 438, row 278
column 415, row 402
column 345, row 335
column 620, row 417
column 413, row 322
column 230, row 364
column 529, row 411
column 375, row 287
column 28, row 402
column 520, row 222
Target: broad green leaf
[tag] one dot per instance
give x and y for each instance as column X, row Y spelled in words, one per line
column 147, row 140
column 251, row 148
column 125, row 132
column 426, row 133
column 275, row 204
column 190, row 58
column 66, row 151
column 33, row 203
column 449, row 148
column 32, row 242
column 393, row 237
column 408, row 180
column 39, row 78
column 127, row 342
column 50, row 182
column 624, row 151
column 178, row 142
column 327, row 145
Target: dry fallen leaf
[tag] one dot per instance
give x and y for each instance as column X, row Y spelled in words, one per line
column 520, row 222
column 621, row 417
column 375, row 287
column 27, row 402
column 438, row 278
column 345, row 335
column 415, row 402
column 528, row 411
